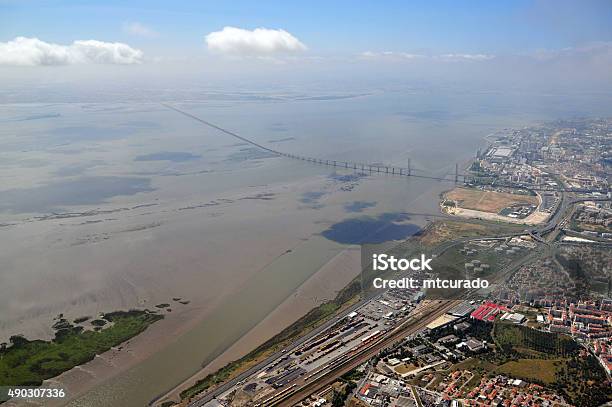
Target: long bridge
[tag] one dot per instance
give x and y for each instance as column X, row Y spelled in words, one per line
column 367, row 168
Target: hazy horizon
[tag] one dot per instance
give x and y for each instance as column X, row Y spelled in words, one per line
column 522, row 46
column 110, row 199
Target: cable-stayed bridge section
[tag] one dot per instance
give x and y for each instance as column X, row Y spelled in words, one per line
column 370, row 168
column 367, row 168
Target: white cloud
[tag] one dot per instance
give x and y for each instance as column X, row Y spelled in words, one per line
column 466, row 57
column 32, row 52
column 139, row 30
column 259, row 42
column 444, row 57
column 391, row 54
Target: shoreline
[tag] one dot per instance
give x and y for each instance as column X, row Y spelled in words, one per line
column 84, row 378
column 117, row 370
column 344, row 267
column 222, row 360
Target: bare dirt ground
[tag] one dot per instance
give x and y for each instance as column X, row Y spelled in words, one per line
column 535, row 218
column 487, row 201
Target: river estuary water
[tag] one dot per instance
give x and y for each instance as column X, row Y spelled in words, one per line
column 112, row 206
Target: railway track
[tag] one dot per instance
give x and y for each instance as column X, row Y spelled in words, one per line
column 302, row 389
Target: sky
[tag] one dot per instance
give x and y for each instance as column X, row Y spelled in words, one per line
column 522, row 39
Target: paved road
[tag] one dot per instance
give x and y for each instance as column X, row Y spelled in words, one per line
column 441, row 308
column 247, row 373
column 411, row 326
column 439, row 311
column 438, row 250
column 538, row 231
column 369, row 168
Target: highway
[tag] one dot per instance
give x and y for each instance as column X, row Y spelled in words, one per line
column 304, row 389
column 371, row 168
column 438, row 250
column 364, row 167
column 552, row 224
column 410, row 326
column 562, row 212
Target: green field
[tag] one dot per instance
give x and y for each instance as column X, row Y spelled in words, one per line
column 519, row 340
column 432, row 236
column 28, row 363
column 443, row 230
column 550, row 359
column 538, row 370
